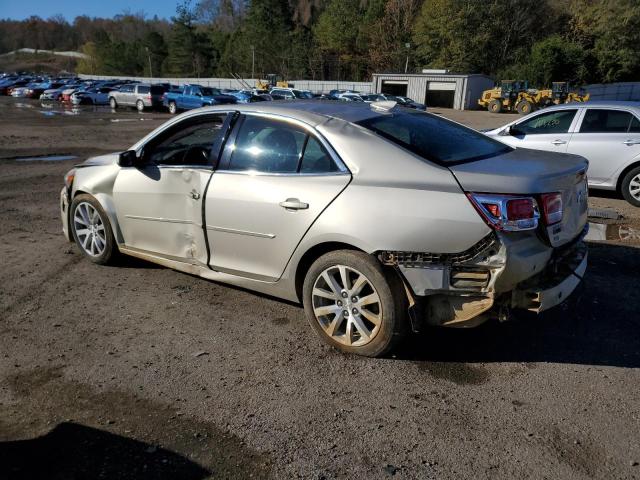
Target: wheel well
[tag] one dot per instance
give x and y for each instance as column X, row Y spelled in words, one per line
column 623, row 174
column 311, row 256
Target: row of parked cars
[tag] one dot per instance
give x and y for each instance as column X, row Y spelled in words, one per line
column 125, row 93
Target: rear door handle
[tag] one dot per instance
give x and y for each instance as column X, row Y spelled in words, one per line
column 631, row 142
column 294, row 204
column 558, row 142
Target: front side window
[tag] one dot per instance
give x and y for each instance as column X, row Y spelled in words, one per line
column 188, row 143
column 434, row 138
column 550, row 122
column 266, row 145
column 606, row 121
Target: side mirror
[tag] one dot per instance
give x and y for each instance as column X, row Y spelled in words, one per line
column 128, row 158
column 514, row 131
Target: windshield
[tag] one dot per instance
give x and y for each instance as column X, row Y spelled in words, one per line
column 434, row 138
column 302, row 94
column 209, row 92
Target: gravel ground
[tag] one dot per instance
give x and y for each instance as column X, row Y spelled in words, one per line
column 137, row 371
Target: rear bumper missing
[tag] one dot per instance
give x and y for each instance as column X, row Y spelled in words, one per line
column 516, row 272
column 555, row 284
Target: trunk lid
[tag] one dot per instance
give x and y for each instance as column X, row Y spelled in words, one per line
column 531, row 173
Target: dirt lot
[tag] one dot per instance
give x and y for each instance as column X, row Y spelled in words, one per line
column 137, row 371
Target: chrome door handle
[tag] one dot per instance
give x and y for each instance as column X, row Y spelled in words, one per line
column 558, row 142
column 195, row 195
column 294, row 204
column 631, row 142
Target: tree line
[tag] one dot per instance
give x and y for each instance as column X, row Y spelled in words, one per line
column 581, row 41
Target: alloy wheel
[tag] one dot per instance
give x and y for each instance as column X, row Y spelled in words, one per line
column 347, row 306
column 634, row 187
column 89, row 229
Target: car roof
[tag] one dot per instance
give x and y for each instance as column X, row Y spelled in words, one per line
column 313, row 112
column 596, row 103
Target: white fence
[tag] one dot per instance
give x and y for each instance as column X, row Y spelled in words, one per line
column 316, row 86
column 614, row 91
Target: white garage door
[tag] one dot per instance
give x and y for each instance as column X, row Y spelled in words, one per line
column 441, row 86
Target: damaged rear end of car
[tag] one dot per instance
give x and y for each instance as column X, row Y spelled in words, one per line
column 534, row 256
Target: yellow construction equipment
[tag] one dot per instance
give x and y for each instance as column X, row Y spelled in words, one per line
column 273, row 80
column 511, row 95
column 514, row 95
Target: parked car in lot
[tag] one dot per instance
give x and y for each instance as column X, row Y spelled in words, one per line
column 349, row 97
column 403, row 101
column 189, row 97
column 605, row 133
column 378, row 219
column 246, row 96
column 56, row 93
column 92, row 96
column 290, row 94
column 138, row 95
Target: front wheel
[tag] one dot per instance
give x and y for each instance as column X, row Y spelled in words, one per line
column 92, row 230
column 524, row 107
column 112, row 103
column 631, row 187
column 354, row 304
column 495, row 106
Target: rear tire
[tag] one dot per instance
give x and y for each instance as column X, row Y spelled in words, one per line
column 140, row 105
column 525, row 107
column 354, row 304
column 91, row 230
column 112, row 103
column 630, row 187
column 495, row 106
column 173, row 108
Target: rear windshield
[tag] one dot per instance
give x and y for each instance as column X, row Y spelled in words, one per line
column 209, row 92
column 434, row 138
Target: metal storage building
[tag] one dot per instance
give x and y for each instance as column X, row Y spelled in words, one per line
column 435, row 88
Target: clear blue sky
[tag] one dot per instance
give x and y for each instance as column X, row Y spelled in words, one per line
column 21, row 9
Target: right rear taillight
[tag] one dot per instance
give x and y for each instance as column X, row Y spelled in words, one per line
column 509, row 213
column 551, row 207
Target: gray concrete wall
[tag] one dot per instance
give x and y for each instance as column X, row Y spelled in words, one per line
column 629, row 91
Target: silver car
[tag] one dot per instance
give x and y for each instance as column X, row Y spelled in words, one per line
column 139, row 95
column 379, row 219
column 605, row 133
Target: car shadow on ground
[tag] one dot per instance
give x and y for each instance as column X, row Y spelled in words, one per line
column 597, row 325
column 74, row 451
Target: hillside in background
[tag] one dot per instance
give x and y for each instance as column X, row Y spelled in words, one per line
column 581, row 41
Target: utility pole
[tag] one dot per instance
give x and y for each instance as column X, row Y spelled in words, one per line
column 253, row 61
column 406, row 64
column 149, row 55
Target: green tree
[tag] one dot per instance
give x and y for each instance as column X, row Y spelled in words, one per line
column 188, row 53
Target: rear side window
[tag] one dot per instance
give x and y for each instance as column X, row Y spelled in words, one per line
column 635, row 125
column 157, row 90
column 550, row 122
column 434, row 138
column 316, row 159
column 266, row 145
column 143, row 89
column 606, row 121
